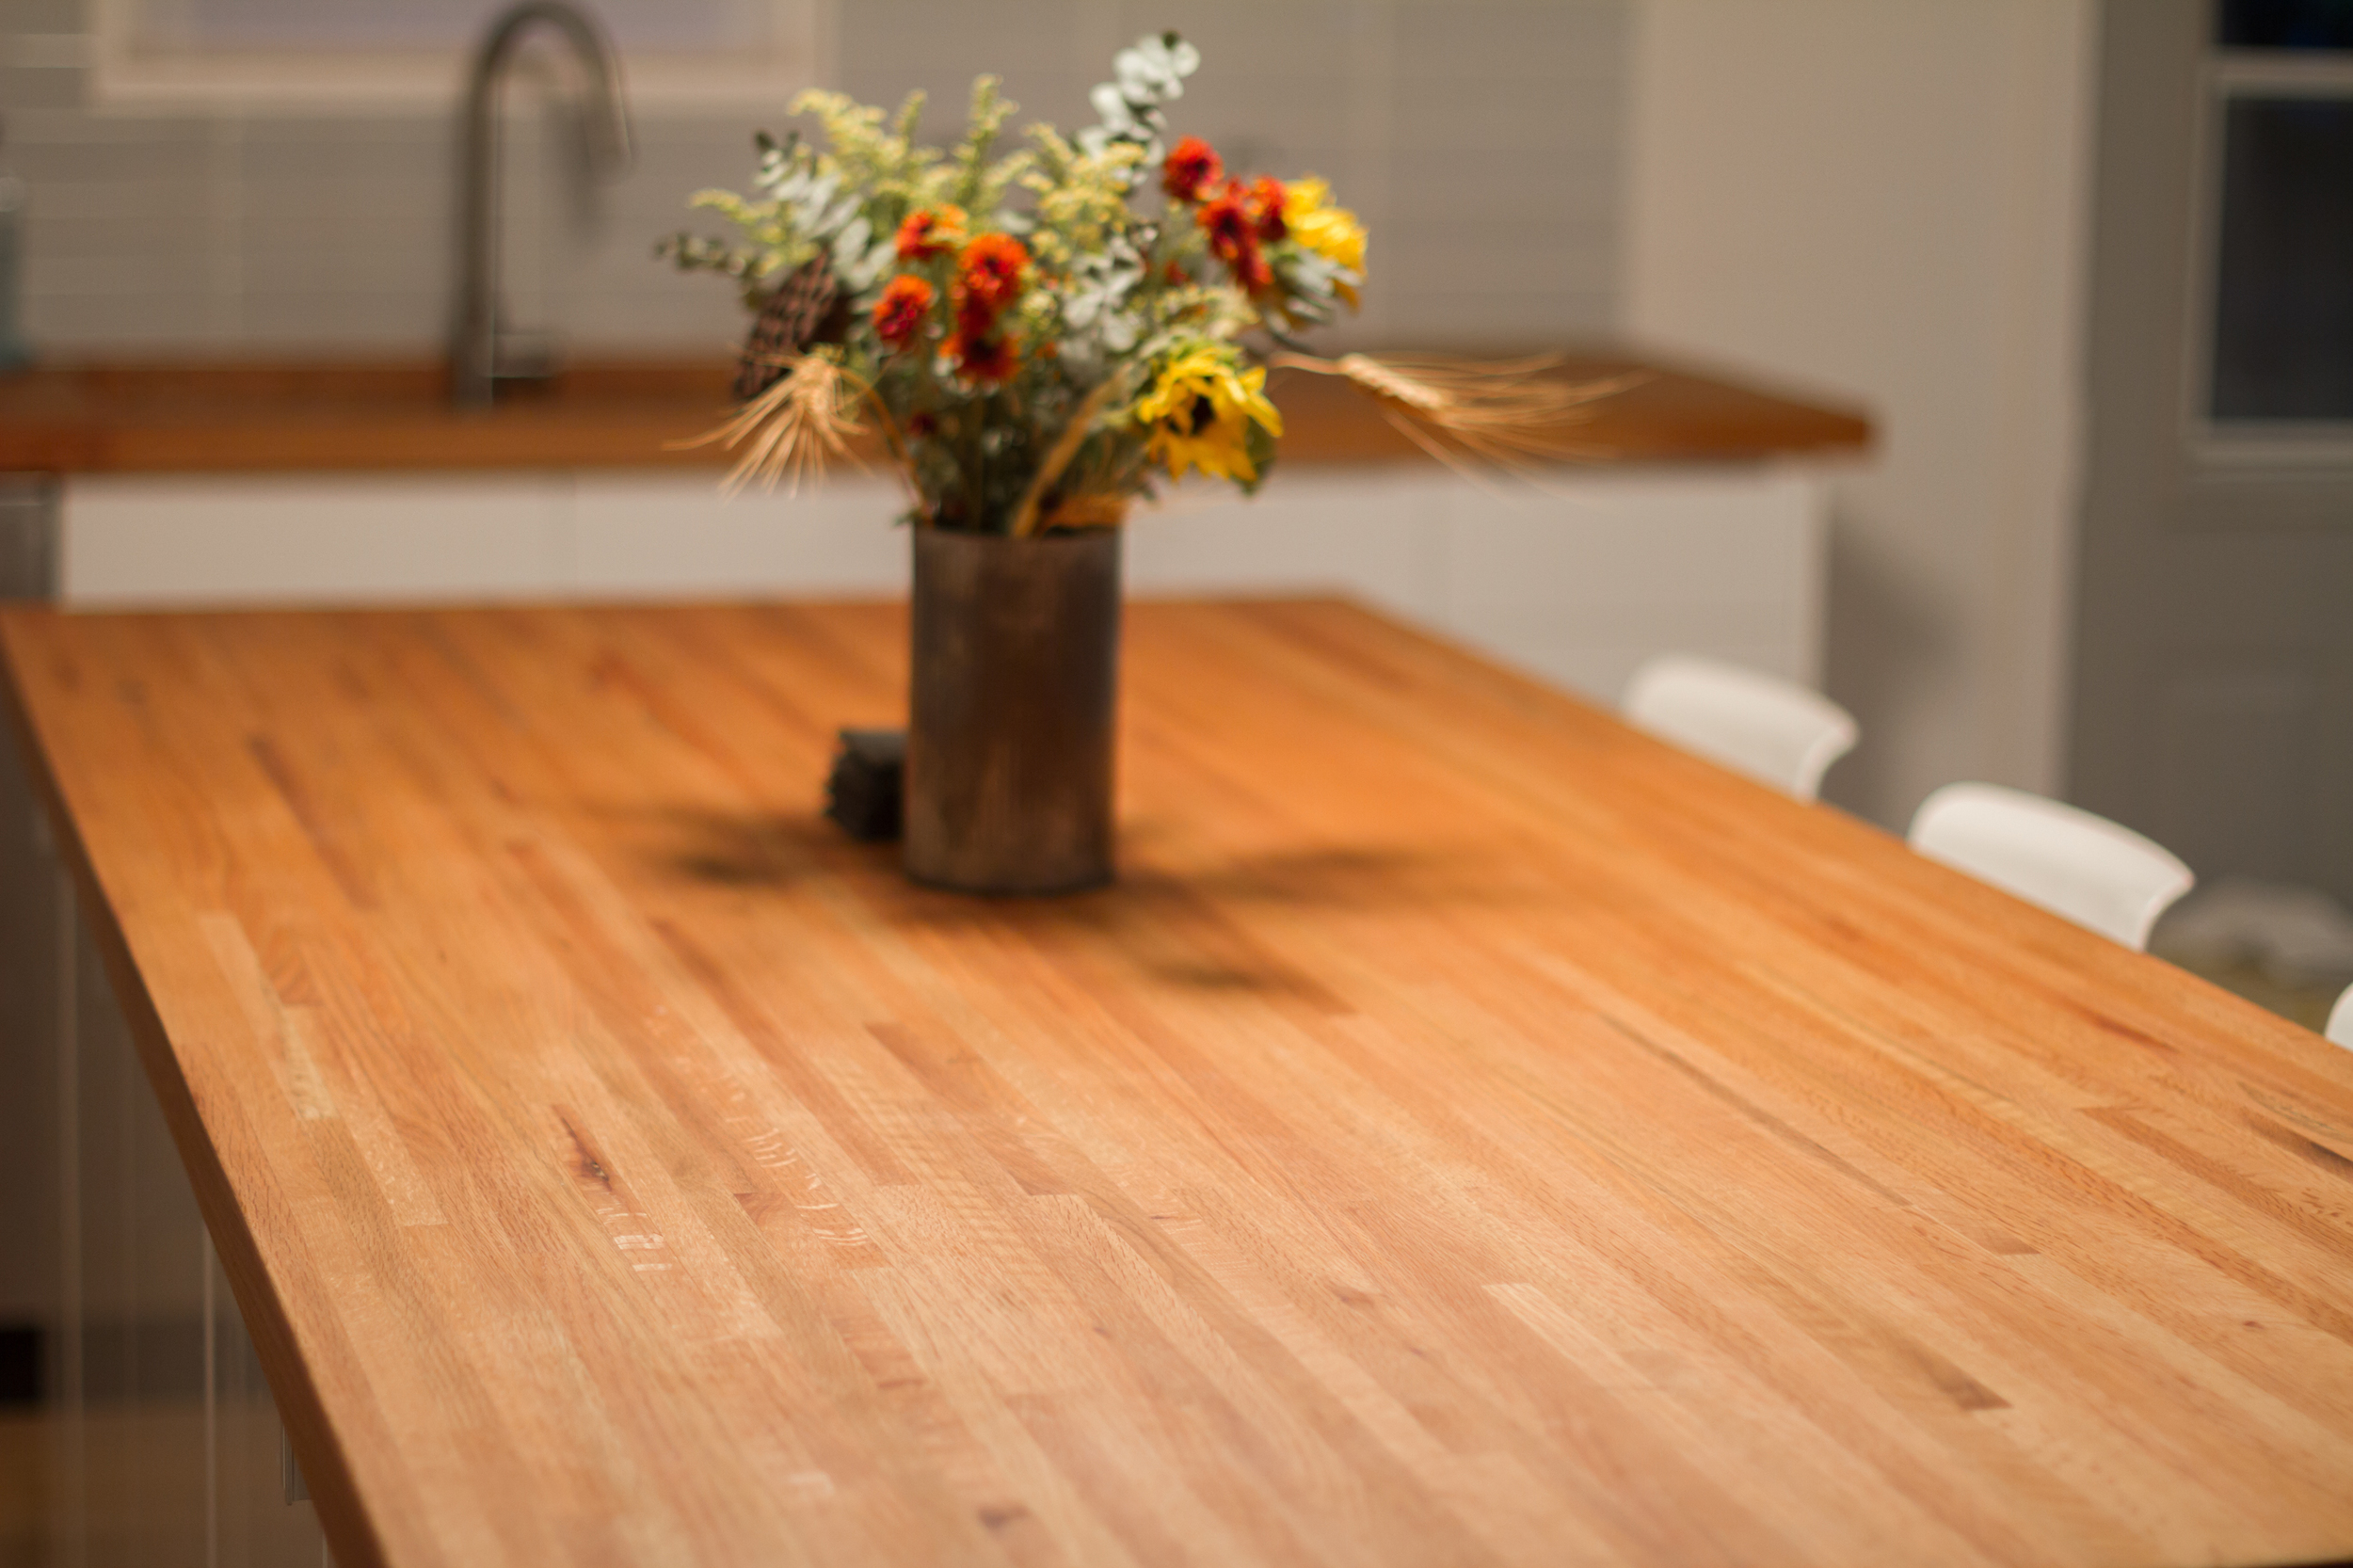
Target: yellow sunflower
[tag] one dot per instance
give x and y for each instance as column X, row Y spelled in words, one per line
column 1200, row 410
column 1331, row 233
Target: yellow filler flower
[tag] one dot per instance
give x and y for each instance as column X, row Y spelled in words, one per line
column 1331, row 233
column 1199, row 411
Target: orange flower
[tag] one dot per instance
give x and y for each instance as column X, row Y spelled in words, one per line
column 983, row 359
column 990, row 273
column 1191, row 167
column 927, row 234
column 899, row 313
column 1266, row 201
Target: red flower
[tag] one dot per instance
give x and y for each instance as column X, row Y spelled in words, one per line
column 989, row 273
column 1266, row 201
column 1232, row 224
column 927, row 234
column 899, row 313
column 975, row 319
column 1193, row 167
column 1253, row 271
column 989, row 359
column 1229, row 222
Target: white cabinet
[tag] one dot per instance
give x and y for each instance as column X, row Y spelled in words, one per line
column 1576, row 578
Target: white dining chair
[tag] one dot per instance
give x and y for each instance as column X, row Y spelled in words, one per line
column 1773, row 730
column 2084, row 866
column 2340, row 1019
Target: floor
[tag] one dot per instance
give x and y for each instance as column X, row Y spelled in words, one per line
column 147, row 1504
column 2307, row 1004
column 2284, row 947
column 23, row 1488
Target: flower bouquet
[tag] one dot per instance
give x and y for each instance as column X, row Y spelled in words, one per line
column 1033, row 336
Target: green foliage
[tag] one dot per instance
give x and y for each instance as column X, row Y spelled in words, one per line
column 980, row 186
column 1082, row 197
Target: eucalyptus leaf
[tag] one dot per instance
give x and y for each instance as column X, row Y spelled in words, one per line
column 1112, row 106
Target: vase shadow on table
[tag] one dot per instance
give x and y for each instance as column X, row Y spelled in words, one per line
column 1182, row 923
column 759, row 850
column 764, row 849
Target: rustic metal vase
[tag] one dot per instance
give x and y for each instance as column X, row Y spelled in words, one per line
column 1013, row 687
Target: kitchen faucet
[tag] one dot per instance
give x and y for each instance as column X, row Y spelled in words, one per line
column 479, row 356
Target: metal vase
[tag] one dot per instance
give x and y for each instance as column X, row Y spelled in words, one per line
column 1013, row 690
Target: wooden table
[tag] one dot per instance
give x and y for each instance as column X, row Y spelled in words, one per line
column 1471, row 1134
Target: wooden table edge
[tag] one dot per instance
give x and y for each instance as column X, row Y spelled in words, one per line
column 351, row 1535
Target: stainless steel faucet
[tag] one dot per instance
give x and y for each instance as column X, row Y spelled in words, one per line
column 480, row 355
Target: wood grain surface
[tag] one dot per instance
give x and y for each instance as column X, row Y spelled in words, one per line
column 231, row 417
column 1472, row 1133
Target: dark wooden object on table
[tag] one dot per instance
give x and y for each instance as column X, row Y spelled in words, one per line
column 1470, row 1132
column 866, row 788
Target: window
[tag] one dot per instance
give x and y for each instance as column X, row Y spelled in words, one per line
column 2274, row 309
column 2324, row 25
column 2283, row 266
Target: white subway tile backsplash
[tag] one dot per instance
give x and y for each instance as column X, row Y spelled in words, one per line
column 179, row 155
column 66, row 206
column 1480, row 140
column 130, row 322
column 120, row 271
column 371, row 146
column 41, row 87
column 291, row 319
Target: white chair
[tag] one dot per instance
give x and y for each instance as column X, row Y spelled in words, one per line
column 1773, row 730
column 2340, row 1019
column 2070, row 862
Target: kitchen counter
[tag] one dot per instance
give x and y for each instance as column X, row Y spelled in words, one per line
column 1471, row 1133
column 185, row 418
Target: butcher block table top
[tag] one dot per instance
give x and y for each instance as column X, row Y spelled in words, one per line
column 1471, row 1133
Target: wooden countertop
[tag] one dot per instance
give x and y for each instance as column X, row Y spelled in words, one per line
column 1472, row 1133
column 195, row 419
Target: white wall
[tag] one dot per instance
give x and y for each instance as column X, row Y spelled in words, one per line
column 1890, row 197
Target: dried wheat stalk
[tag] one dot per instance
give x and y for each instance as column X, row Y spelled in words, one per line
column 796, row 427
column 1508, row 413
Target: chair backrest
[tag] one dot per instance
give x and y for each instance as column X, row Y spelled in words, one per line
column 1772, row 729
column 2340, row 1019
column 2070, row 861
